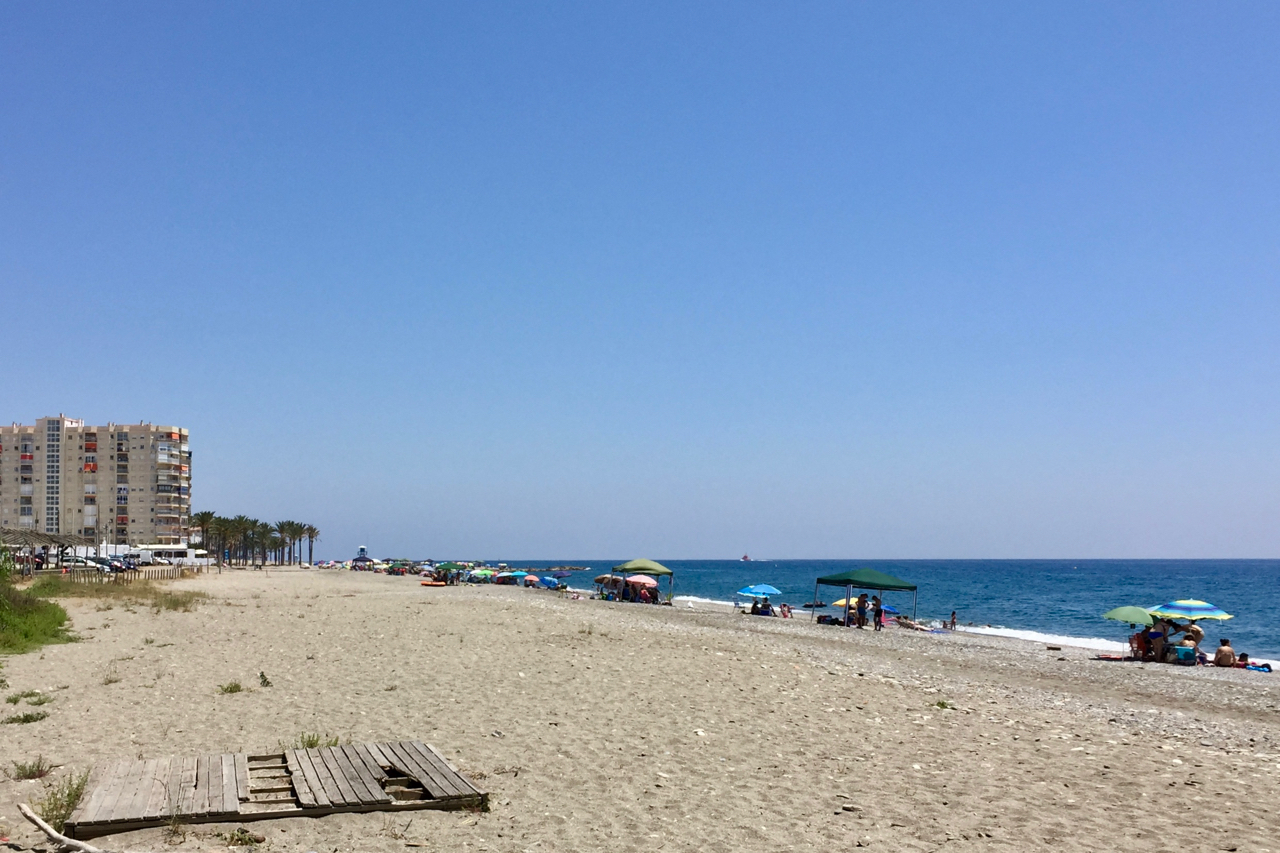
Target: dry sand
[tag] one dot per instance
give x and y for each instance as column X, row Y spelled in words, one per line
column 599, row 726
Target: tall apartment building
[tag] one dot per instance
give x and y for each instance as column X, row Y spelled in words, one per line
column 119, row 484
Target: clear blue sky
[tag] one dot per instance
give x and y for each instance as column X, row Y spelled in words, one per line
column 671, row 280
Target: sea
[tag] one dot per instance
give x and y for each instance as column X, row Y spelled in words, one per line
column 1038, row 600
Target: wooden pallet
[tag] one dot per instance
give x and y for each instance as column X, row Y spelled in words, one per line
column 136, row 794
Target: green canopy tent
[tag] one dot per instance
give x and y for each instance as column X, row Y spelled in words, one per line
column 864, row 579
column 651, row 568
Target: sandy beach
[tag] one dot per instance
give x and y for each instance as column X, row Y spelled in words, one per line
column 599, row 726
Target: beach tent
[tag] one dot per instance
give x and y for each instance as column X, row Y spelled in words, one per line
column 865, row 579
column 651, row 568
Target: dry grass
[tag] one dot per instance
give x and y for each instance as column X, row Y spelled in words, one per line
column 139, row 593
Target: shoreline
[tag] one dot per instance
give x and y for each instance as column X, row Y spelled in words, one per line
column 602, row 726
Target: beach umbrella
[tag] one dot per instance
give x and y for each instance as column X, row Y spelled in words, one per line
column 759, row 590
column 528, row 579
column 642, row 580
column 1132, row 615
column 1189, row 608
column 550, row 582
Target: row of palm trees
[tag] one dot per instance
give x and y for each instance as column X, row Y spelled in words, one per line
column 248, row 540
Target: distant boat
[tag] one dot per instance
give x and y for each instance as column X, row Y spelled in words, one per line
column 745, row 559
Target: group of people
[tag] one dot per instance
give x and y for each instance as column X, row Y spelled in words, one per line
column 1157, row 644
column 762, row 607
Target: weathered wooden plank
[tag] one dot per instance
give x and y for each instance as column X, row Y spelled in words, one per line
column 157, row 801
column 318, row 787
column 413, row 767
column 301, row 787
column 200, row 803
column 373, row 789
column 345, row 793
column 443, row 764
column 381, row 758
column 133, row 799
column 100, row 778
column 230, row 796
column 242, row 777
column 444, row 777
column 443, row 780
column 371, row 763
column 215, row 784
column 337, row 757
column 173, row 792
column 187, row 792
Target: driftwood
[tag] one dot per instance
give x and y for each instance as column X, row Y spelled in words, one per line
column 56, row 837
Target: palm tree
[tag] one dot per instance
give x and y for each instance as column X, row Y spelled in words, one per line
column 312, row 533
column 203, row 520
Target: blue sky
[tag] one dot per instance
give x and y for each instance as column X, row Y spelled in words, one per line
column 674, row 280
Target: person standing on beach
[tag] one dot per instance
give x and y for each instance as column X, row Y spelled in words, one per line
column 953, row 620
column 877, row 613
column 862, row 610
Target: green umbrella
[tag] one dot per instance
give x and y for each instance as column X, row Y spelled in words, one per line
column 1132, row 615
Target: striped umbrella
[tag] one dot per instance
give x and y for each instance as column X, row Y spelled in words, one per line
column 1189, row 608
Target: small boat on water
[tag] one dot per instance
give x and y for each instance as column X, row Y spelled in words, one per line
column 745, row 559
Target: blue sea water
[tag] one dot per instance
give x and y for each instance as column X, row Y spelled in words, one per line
column 1058, row 597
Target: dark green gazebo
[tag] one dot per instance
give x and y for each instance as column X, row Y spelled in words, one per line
column 864, row 579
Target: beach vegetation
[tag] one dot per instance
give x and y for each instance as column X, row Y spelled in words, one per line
column 28, row 717
column 230, row 687
column 314, row 740
column 111, row 676
column 139, row 593
column 944, row 705
column 263, row 680
column 26, row 621
column 241, row 837
column 61, row 798
column 15, row 698
column 175, row 831
column 37, row 769
column 40, row 699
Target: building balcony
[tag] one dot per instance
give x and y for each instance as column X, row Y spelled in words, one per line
column 91, row 446
column 122, row 519
column 26, row 457
column 91, row 467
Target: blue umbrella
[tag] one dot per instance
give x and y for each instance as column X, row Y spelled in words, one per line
column 1190, row 608
column 550, row 581
column 760, row 590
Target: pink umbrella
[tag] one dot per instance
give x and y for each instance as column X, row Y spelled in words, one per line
column 642, row 580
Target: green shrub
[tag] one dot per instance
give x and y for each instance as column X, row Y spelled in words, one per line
column 28, row 717
column 37, row 769
column 27, row 621
column 61, row 799
column 230, row 687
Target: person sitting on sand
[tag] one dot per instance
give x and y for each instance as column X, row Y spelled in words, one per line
column 1225, row 655
column 755, row 607
column 784, row 610
column 1243, row 662
column 766, row 609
